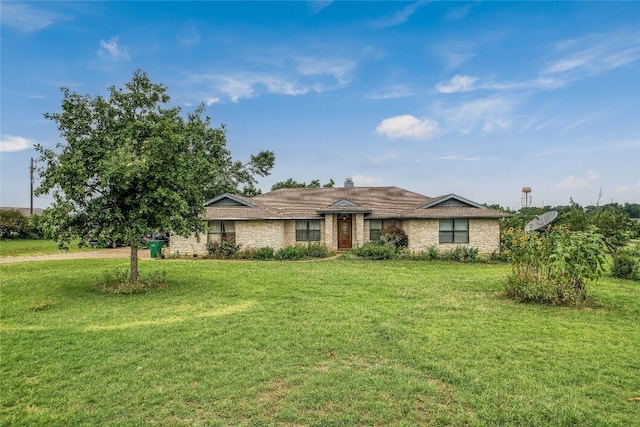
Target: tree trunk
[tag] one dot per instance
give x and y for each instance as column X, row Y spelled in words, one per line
column 135, row 276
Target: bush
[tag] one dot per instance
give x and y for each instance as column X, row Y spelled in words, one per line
column 553, row 266
column 224, row 249
column 263, row 254
column 460, row 254
column 625, row 266
column 396, row 237
column 375, row 250
column 313, row 250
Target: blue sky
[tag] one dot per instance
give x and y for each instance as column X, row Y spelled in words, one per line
column 473, row 98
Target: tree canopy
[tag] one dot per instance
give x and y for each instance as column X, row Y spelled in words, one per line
column 130, row 165
column 291, row 183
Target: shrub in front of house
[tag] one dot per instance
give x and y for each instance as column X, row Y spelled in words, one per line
column 460, row 254
column 312, row 250
column 375, row 250
column 396, row 237
column 224, row 249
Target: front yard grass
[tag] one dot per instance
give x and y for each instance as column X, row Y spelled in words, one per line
column 28, row 247
column 326, row 343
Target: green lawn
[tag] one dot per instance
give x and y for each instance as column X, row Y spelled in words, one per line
column 325, row 343
column 23, row 247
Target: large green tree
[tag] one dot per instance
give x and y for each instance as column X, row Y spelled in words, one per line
column 130, row 164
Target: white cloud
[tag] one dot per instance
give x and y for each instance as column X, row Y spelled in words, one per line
column 407, row 127
column 365, row 181
column 339, row 68
column 573, row 182
column 400, row 16
column 457, row 84
column 306, row 74
column 392, row 92
column 10, row 143
column 28, row 19
column 111, row 49
column 487, row 114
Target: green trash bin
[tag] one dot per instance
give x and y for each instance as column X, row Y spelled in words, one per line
column 155, row 247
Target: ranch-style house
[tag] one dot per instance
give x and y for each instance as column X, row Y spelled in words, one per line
column 344, row 218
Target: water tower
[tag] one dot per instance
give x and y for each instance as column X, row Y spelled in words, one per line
column 526, row 197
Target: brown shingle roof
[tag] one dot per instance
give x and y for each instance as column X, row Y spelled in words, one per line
column 375, row 202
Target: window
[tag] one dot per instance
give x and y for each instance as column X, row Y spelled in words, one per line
column 308, row 231
column 454, row 230
column 221, row 231
column 377, row 225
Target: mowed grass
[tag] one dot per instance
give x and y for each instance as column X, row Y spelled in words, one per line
column 325, row 343
column 25, row 247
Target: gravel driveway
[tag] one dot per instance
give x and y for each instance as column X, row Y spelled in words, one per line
column 103, row 253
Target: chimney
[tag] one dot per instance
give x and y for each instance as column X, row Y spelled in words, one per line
column 348, row 183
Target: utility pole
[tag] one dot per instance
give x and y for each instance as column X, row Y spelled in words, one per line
column 31, row 192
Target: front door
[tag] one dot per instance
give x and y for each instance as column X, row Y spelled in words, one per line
column 344, row 233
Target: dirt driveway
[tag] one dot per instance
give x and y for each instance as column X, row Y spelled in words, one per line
column 103, row 253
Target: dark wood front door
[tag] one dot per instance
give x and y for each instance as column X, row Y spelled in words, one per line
column 344, row 233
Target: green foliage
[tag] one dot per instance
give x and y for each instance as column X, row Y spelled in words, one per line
column 627, row 264
column 312, row 250
column 394, row 236
column 117, row 281
column 130, row 165
column 223, row 249
column 553, row 266
column 292, row 183
column 374, row 250
column 13, row 224
column 615, row 226
column 264, row 254
column 460, row 254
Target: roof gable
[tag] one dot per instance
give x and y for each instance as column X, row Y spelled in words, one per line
column 452, row 201
column 344, row 203
column 228, row 200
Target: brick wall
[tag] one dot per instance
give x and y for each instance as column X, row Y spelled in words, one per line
column 484, row 234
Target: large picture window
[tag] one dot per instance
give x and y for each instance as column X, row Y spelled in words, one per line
column 454, row 230
column 308, row 231
column 221, row 231
column 377, row 225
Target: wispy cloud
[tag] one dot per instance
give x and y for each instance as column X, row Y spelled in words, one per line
column 485, row 114
column 595, row 54
column 408, row 127
column 401, row 16
column 26, row 18
column 338, row 68
column 298, row 76
column 391, row 92
column 11, row 143
column 457, row 84
column 573, row 182
column 112, row 50
column 318, row 5
column 458, row 157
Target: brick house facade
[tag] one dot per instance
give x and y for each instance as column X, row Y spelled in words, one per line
column 344, row 218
